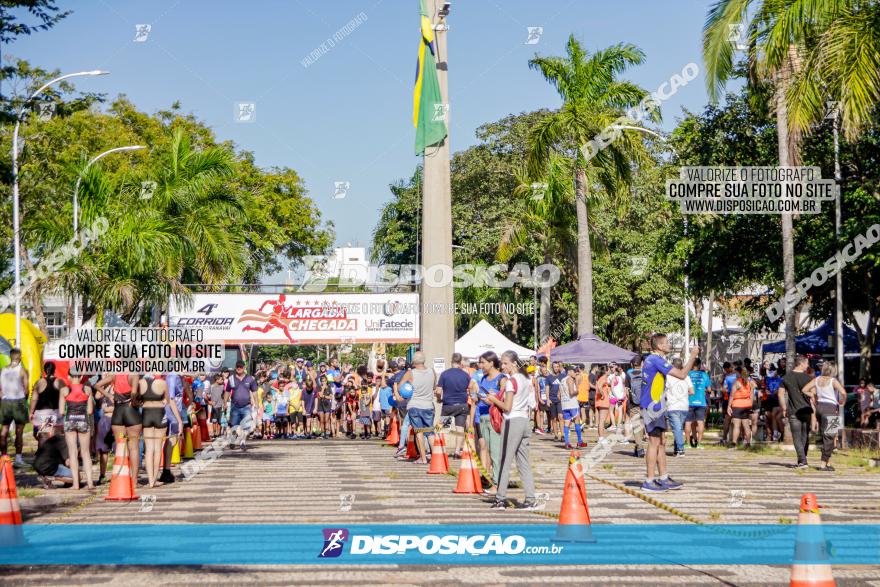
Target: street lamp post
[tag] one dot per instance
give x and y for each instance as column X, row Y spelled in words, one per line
column 92, row 161
column 438, row 327
column 838, row 294
column 687, row 314
column 15, row 200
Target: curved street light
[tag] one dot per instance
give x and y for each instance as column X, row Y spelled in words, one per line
column 15, row 202
column 687, row 315
column 92, row 161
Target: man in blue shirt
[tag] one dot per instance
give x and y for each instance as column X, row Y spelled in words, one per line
column 242, row 388
column 554, row 380
column 696, row 418
column 453, row 390
column 653, row 404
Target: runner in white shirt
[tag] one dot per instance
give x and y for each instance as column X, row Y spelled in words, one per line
column 571, row 412
column 13, row 404
column 617, row 381
column 677, row 393
column 515, row 431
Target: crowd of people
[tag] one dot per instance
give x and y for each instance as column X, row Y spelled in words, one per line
column 501, row 401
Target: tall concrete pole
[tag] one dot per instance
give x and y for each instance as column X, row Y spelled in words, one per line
column 438, row 319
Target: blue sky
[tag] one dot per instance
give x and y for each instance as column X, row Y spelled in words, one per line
column 347, row 116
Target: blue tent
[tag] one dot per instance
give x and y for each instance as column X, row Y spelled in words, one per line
column 820, row 341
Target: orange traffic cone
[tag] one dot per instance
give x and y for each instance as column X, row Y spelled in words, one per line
column 574, row 515
column 439, row 461
column 810, row 567
column 443, row 449
column 394, row 435
column 188, row 444
column 122, row 482
column 412, row 451
column 11, row 532
column 9, row 511
column 196, row 436
column 203, row 428
column 468, row 476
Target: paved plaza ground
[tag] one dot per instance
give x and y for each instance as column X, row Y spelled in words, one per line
column 302, row 482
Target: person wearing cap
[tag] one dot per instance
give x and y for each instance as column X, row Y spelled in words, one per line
column 298, row 372
column 241, row 389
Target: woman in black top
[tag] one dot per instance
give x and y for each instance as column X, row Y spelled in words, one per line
column 154, row 393
column 44, row 401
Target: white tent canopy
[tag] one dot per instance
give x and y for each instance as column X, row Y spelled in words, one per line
column 483, row 337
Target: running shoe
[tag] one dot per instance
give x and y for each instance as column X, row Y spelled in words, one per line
column 828, row 468
column 539, row 431
column 18, row 462
column 669, row 483
column 699, row 446
column 568, row 446
column 800, row 466
column 530, row 504
column 639, row 453
column 678, row 454
column 582, row 445
column 499, row 504
column 654, row 485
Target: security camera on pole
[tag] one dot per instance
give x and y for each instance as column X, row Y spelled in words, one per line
column 430, row 115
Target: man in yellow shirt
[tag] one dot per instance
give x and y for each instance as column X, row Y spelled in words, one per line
column 295, row 409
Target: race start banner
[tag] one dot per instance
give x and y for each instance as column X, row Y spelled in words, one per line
column 326, row 318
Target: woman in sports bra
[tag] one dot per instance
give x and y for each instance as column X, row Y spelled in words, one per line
column 154, row 392
column 44, row 401
column 126, row 421
column 78, row 405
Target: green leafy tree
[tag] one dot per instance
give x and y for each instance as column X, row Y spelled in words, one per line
column 593, row 99
column 777, row 33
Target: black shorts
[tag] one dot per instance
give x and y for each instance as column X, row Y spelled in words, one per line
column 124, row 414
column 742, row 413
column 696, row 414
column 555, row 409
column 281, row 420
column 154, row 418
column 771, row 403
column 458, row 411
column 584, row 405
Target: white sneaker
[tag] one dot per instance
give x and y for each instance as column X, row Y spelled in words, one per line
column 18, row 461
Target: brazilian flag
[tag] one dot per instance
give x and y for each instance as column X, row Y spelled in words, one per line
column 428, row 108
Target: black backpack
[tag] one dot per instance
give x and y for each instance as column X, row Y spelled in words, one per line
column 636, row 382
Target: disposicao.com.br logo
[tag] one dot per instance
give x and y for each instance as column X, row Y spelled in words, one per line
column 450, row 544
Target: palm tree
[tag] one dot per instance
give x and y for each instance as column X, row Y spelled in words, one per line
column 593, row 99
column 191, row 230
column 548, row 220
column 843, row 63
column 777, row 32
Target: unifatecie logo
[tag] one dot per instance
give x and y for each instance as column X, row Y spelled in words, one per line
column 334, row 540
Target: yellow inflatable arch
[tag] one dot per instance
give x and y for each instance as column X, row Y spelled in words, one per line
column 31, row 345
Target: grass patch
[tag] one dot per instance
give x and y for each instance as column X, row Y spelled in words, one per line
column 28, row 492
column 714, row 515
column 784, row 520
column 607, row 466
column 391, row 475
